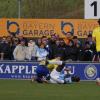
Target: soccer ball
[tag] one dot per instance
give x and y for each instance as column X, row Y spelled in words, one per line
column 98, row 81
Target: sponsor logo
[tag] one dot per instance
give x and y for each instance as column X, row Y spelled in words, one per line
column 13, row 28
column 67, row 27
column 90, row 72
column 17, row 69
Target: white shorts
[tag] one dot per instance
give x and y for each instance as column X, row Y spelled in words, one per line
column 54, row 77
column 68, row 80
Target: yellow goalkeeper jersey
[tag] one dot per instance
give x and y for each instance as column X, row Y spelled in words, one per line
column 96, row 35
column 52, row 66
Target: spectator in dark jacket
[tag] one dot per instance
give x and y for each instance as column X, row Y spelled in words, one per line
column 91, row 42
column 53, row 46
column 71, row 52
column 4, row 49
column 78, row 46
column 88, row 52
column 61, row 48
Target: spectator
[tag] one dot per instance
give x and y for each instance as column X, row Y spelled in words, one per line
column 9, row 40
column 88, row 53
column 71, row 52
column 52, row 45
column 21, row 37
column 31, row 50
column 41, row 53
column 68, row 37
column 4, row 49
column 61, row 48
column 78, row 46
column 38, row 42
column 91, row 42
column 44, row 40
column 20, row 51
column 15, row 43
column 77, row 43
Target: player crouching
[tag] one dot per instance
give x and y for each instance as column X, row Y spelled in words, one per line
column 42, row 73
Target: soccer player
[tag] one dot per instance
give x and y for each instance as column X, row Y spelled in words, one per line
column 55, row 76
column 42, row 73
column 61, row 76
column 54, row 66
column 67, row 75
column 96, row 37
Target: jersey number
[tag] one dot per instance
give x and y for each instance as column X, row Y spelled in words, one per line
column 95, row 7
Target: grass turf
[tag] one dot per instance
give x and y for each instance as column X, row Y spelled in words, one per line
column 24, row 90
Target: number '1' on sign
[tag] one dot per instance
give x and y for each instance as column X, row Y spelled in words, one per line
column 92, row 9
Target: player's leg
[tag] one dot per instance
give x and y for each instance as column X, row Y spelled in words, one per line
column 68, row 80
column 98, row 56
column 54, row 77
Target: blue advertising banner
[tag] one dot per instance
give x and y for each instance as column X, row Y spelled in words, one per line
column 86, row 71
column 25, row 70
column 17, row 70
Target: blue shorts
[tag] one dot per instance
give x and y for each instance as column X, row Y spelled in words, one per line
column 41, row 71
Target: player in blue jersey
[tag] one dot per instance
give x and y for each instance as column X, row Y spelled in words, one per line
column 42, row 73
column 60, row 75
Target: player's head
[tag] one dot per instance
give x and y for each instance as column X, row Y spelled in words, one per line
column 67, row 68
column 59, row 56
column 42, row 62
column 99, row 21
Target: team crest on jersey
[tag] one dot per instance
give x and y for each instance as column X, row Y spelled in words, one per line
column 90, row 72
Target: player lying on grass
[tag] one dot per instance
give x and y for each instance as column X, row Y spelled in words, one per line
column 44, row 69
column 61, row 74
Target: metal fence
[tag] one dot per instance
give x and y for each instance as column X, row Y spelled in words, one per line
column 42, row 8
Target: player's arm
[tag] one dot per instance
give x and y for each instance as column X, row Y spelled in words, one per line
column 56, row 62
column 94, row 39
column 94, row 36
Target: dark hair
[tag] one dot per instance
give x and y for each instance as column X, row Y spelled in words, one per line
column 99, row 21
column 75, row 78
column 74, row 37
column 58, row 55
column 90, row 35
column 43, row 37
column 22, row 40
column 87, row 42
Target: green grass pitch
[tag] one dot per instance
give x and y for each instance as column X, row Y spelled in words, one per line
column 24, row 90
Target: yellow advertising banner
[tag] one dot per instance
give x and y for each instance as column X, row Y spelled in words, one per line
column 47, row 27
